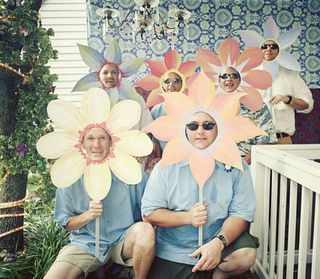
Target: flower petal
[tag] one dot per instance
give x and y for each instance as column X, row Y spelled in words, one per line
column 67, row 169
column 93, row 58
column 54, row 145
column 272, row 67
column 270, row 29
column 241, row 128
column 154, row 98
column 113, row 53
column 131, row 66
column 251, row 57
column 204, row 57
column 164, row 128
column 157, row 68
column 123, row 116
column 127, row 91
column 201, row 90
column 227, row 105
column 172, row 59
column 125, row 167
column 287, row 38
column 175, row 151
column 149, row 82
column 86, row 82
column 227, row 153
column 97, row 181
column 251, row 38
column 134, row 143
column 200, row 171
column 288, row 61
column 187, row 68
column 96, row 105
column 177, row 104
column 253, row 100
column 229, row 51
column 66, row 116
column 258, row 79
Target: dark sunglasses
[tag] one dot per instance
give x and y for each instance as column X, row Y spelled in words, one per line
column 195, row 126
column 271, row 46
column 175, row 80
column 233, row 76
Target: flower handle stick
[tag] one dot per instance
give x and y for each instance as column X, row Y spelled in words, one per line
column 97, row 236
column 200, row 229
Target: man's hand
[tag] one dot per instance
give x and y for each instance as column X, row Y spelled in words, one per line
column 247, row 158
column 210, row 255
column 278, row 98
column 198, row 214
column 95, row 210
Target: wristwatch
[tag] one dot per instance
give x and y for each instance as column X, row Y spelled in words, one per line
column 223, row 239
column 289, row 101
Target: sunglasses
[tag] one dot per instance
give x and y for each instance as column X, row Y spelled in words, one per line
column 232, row 76
column 175, row 81
column 271, row 46
column 206, row 126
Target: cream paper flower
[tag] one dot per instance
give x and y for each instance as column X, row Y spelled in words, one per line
column 65, row 143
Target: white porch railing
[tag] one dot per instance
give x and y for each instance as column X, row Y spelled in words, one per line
column 287, row 222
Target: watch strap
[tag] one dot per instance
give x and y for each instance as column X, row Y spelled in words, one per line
column 223, row 239
column 289, row 101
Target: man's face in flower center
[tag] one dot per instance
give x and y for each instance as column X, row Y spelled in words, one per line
column 229, row 80
column 97, row 143
column 109, row 75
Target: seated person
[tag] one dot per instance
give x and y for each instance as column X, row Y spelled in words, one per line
column 229, row 81
column 170, row 203
column 124, row 239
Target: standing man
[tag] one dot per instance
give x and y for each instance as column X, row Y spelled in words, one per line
column 289, row 93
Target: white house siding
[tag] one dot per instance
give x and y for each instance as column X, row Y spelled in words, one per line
column 68, row 20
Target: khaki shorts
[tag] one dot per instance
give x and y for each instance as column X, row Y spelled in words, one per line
column 87, row 262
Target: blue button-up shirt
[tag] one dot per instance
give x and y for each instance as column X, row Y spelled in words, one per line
column 121, row 209
column 228, row 193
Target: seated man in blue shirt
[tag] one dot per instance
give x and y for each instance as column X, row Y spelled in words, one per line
column 123, row 238
column 170, row 202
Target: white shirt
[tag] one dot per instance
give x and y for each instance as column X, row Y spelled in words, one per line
column 287, row 83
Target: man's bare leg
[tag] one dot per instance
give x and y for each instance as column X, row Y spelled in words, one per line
column 236, row 263
column 139, row 244
column 64, row 270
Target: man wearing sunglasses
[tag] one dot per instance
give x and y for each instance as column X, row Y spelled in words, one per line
column 170, row 203
column 229, row 81
column 288, row 94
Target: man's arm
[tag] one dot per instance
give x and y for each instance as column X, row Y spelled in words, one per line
column 79, row 221
column 166, row 218
column 210, row 252
column 296, row 103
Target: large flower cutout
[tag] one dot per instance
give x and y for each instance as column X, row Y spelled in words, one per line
column 284, row 40
column 222, row 108
column 65, row 143
column 159, row 70
column 244, row 63
column 96, row 60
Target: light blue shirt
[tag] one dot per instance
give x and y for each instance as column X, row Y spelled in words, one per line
column 121, row 209
column 156, row 112
column 228, row 193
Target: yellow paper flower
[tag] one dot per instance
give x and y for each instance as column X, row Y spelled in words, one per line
column 65, row 143
column 222, row 108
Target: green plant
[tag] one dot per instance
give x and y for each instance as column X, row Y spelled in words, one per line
column 43, row 241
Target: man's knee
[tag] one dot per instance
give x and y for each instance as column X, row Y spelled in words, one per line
column 144, row 234
column 241, row 259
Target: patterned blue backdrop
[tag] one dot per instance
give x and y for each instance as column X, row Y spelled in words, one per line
column 213, row 21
